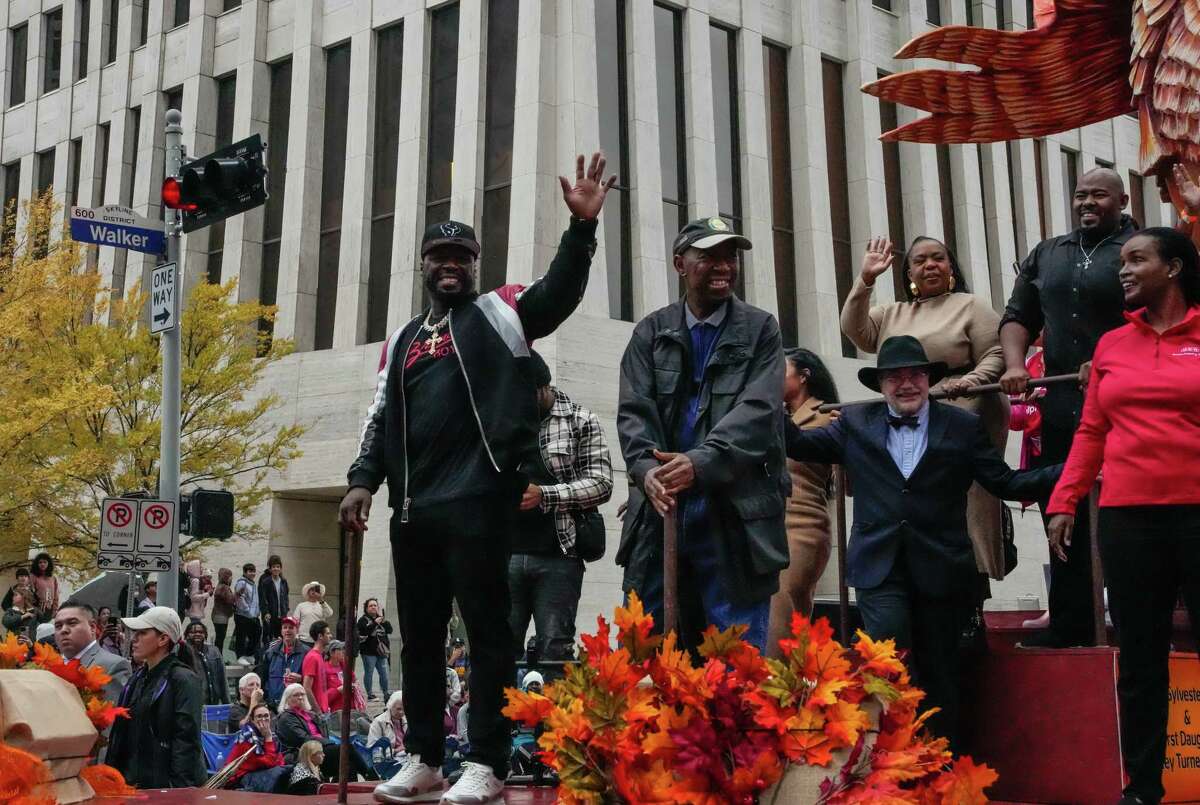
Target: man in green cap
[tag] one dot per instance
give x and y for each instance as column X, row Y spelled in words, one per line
column 701, row 428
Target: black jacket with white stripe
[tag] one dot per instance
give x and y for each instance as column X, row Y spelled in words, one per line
column 491, row 336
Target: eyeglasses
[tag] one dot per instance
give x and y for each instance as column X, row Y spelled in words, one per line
column 903, row 375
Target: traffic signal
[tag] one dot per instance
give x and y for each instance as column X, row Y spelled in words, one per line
column 207, row 514
column 228, row 181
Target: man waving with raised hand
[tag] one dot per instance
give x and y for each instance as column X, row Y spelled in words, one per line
column 454, row 411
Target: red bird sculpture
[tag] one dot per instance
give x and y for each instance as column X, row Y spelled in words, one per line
column 1085, row 61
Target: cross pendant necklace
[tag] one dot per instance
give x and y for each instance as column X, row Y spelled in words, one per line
column 1087, row 256
column 435, row 337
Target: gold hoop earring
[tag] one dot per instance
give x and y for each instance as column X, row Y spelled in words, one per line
column 953, row 282
column 912, row 286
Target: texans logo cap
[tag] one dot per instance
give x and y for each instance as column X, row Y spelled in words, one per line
column 450, row 233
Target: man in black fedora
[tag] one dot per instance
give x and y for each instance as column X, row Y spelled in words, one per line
column 910, row 462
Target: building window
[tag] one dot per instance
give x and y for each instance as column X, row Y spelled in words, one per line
column 779, row 159
column 45, row 172
column 995, row 280
column 173, row 98
column 333, row 180
column 612, row 78
column 443, row 77
column 142, row 9
column 110, row 31
column 1003, row 16
column 893, row 191
column 18, row 48
column 389, row 62
column 668, row 58
column 1070, row 178
column 226, row 104
column 52, row 50
column 134, row 132
column 933, row 11
column 498, row 140
column 1040, row 181
column 101, row 164
column 970, row 11
column 12, row 192
column 1137, row 197
column 183, row 11
column 723, row 47
column 74, row 155
column 946, row 192
column 886, row 5
column 279, row 109
column 1029, row 20
column 83, row 11
column 839, row 184
column 231, row 4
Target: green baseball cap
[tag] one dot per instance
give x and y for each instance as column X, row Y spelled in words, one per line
column 704, row 233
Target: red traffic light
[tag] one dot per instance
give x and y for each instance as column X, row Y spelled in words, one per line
column 172, row 196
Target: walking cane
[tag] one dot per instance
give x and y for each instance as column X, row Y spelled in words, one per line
column 973, row 391
column 670, row 573
column 1098, row 625
column 843, row 591
column 351, row 560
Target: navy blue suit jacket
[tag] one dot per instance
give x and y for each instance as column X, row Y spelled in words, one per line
column 926, row 514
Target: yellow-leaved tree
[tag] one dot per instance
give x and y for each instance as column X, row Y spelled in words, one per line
column 81, row 393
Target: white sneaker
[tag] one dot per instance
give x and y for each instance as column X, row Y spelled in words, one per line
column 477, row 785
column 415, row 782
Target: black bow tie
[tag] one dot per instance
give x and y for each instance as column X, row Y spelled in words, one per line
column 903, row 421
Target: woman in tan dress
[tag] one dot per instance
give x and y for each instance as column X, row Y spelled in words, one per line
column 954, row 326
column 806, row 385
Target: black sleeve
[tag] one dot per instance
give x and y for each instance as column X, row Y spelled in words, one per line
column 186, row 751
column 548, row 301
column 289, row 729
column 387, row 627
column 6, row 605
column 994, row 474
column 367, row 469
column 223, row 693
column 745, row 436
column 364, row 626
column 1025, row 305
column 640, row 429
column 819, row 445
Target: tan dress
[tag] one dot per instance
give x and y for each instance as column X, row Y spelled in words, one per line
column 964, row 332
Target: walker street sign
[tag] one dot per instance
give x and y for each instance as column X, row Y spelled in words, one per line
column 114, row 225
column 162, row 298
column 137, row 534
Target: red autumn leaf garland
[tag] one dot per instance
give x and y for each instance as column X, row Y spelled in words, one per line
column 645, row 723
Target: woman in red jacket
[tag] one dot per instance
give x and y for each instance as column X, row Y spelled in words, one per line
column 263, row 770
column 1141, row 425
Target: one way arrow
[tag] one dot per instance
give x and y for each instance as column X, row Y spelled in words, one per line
column 161, row 317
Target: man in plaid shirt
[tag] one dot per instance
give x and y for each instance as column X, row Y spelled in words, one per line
column 571, row 472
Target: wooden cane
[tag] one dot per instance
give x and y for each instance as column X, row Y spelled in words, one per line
column 843, row 590
column 670, row 573
column 1099, row 626
column 351, row 561
column 973, row 391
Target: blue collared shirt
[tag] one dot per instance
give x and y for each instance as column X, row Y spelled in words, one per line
column 704, row 334
column 907, row 445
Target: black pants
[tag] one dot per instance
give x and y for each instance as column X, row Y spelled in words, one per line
column 1071, row 581
column 271, row 629
column 929, row 628
column 1150, row 554
column 246, row 633
column 458, row 552
column 219, row 630
column 546, row 588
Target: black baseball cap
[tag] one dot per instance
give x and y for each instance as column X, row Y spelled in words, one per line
column 704, row 233
column 450, row 233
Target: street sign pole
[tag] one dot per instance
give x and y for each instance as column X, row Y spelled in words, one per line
column 168, row 469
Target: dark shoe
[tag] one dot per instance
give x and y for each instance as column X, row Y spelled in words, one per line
column 1049, row 639
column 1130, row 799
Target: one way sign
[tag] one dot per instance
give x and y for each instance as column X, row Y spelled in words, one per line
column 164, row 308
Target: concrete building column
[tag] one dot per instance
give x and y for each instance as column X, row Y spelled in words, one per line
column 297, row 298
column 242, row 259
column 816, row 281
column 404, row 295
column 920, row 187
column 466, row 187
column 699, row 123
column 759, row 268
column 653, row 278
column 199, row 127
column 350, row 320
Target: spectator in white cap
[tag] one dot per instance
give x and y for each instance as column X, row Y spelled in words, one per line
column 158, row 746
column 533, row 679
column 312, row 609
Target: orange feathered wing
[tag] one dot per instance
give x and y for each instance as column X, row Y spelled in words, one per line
column 1165, row 76
column 1070, row 71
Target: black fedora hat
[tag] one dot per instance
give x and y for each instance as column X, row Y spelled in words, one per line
column 901, row 352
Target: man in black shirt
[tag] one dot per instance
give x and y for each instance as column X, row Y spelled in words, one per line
column 1069, row 292
column 453, row 417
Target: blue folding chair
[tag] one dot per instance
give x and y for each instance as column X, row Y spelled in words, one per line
column 216, row 749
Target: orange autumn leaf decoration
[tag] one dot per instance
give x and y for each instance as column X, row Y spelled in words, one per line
column 639, row 718
column 12, row 652
column 23, row 777
column 106, row 781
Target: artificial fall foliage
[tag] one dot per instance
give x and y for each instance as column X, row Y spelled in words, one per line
column 24, row 778
column 642, row 722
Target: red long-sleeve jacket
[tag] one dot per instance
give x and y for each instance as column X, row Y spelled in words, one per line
column 1141, row 420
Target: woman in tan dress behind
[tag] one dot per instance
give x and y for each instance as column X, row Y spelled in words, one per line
column 954, row 326
column 806, row 385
